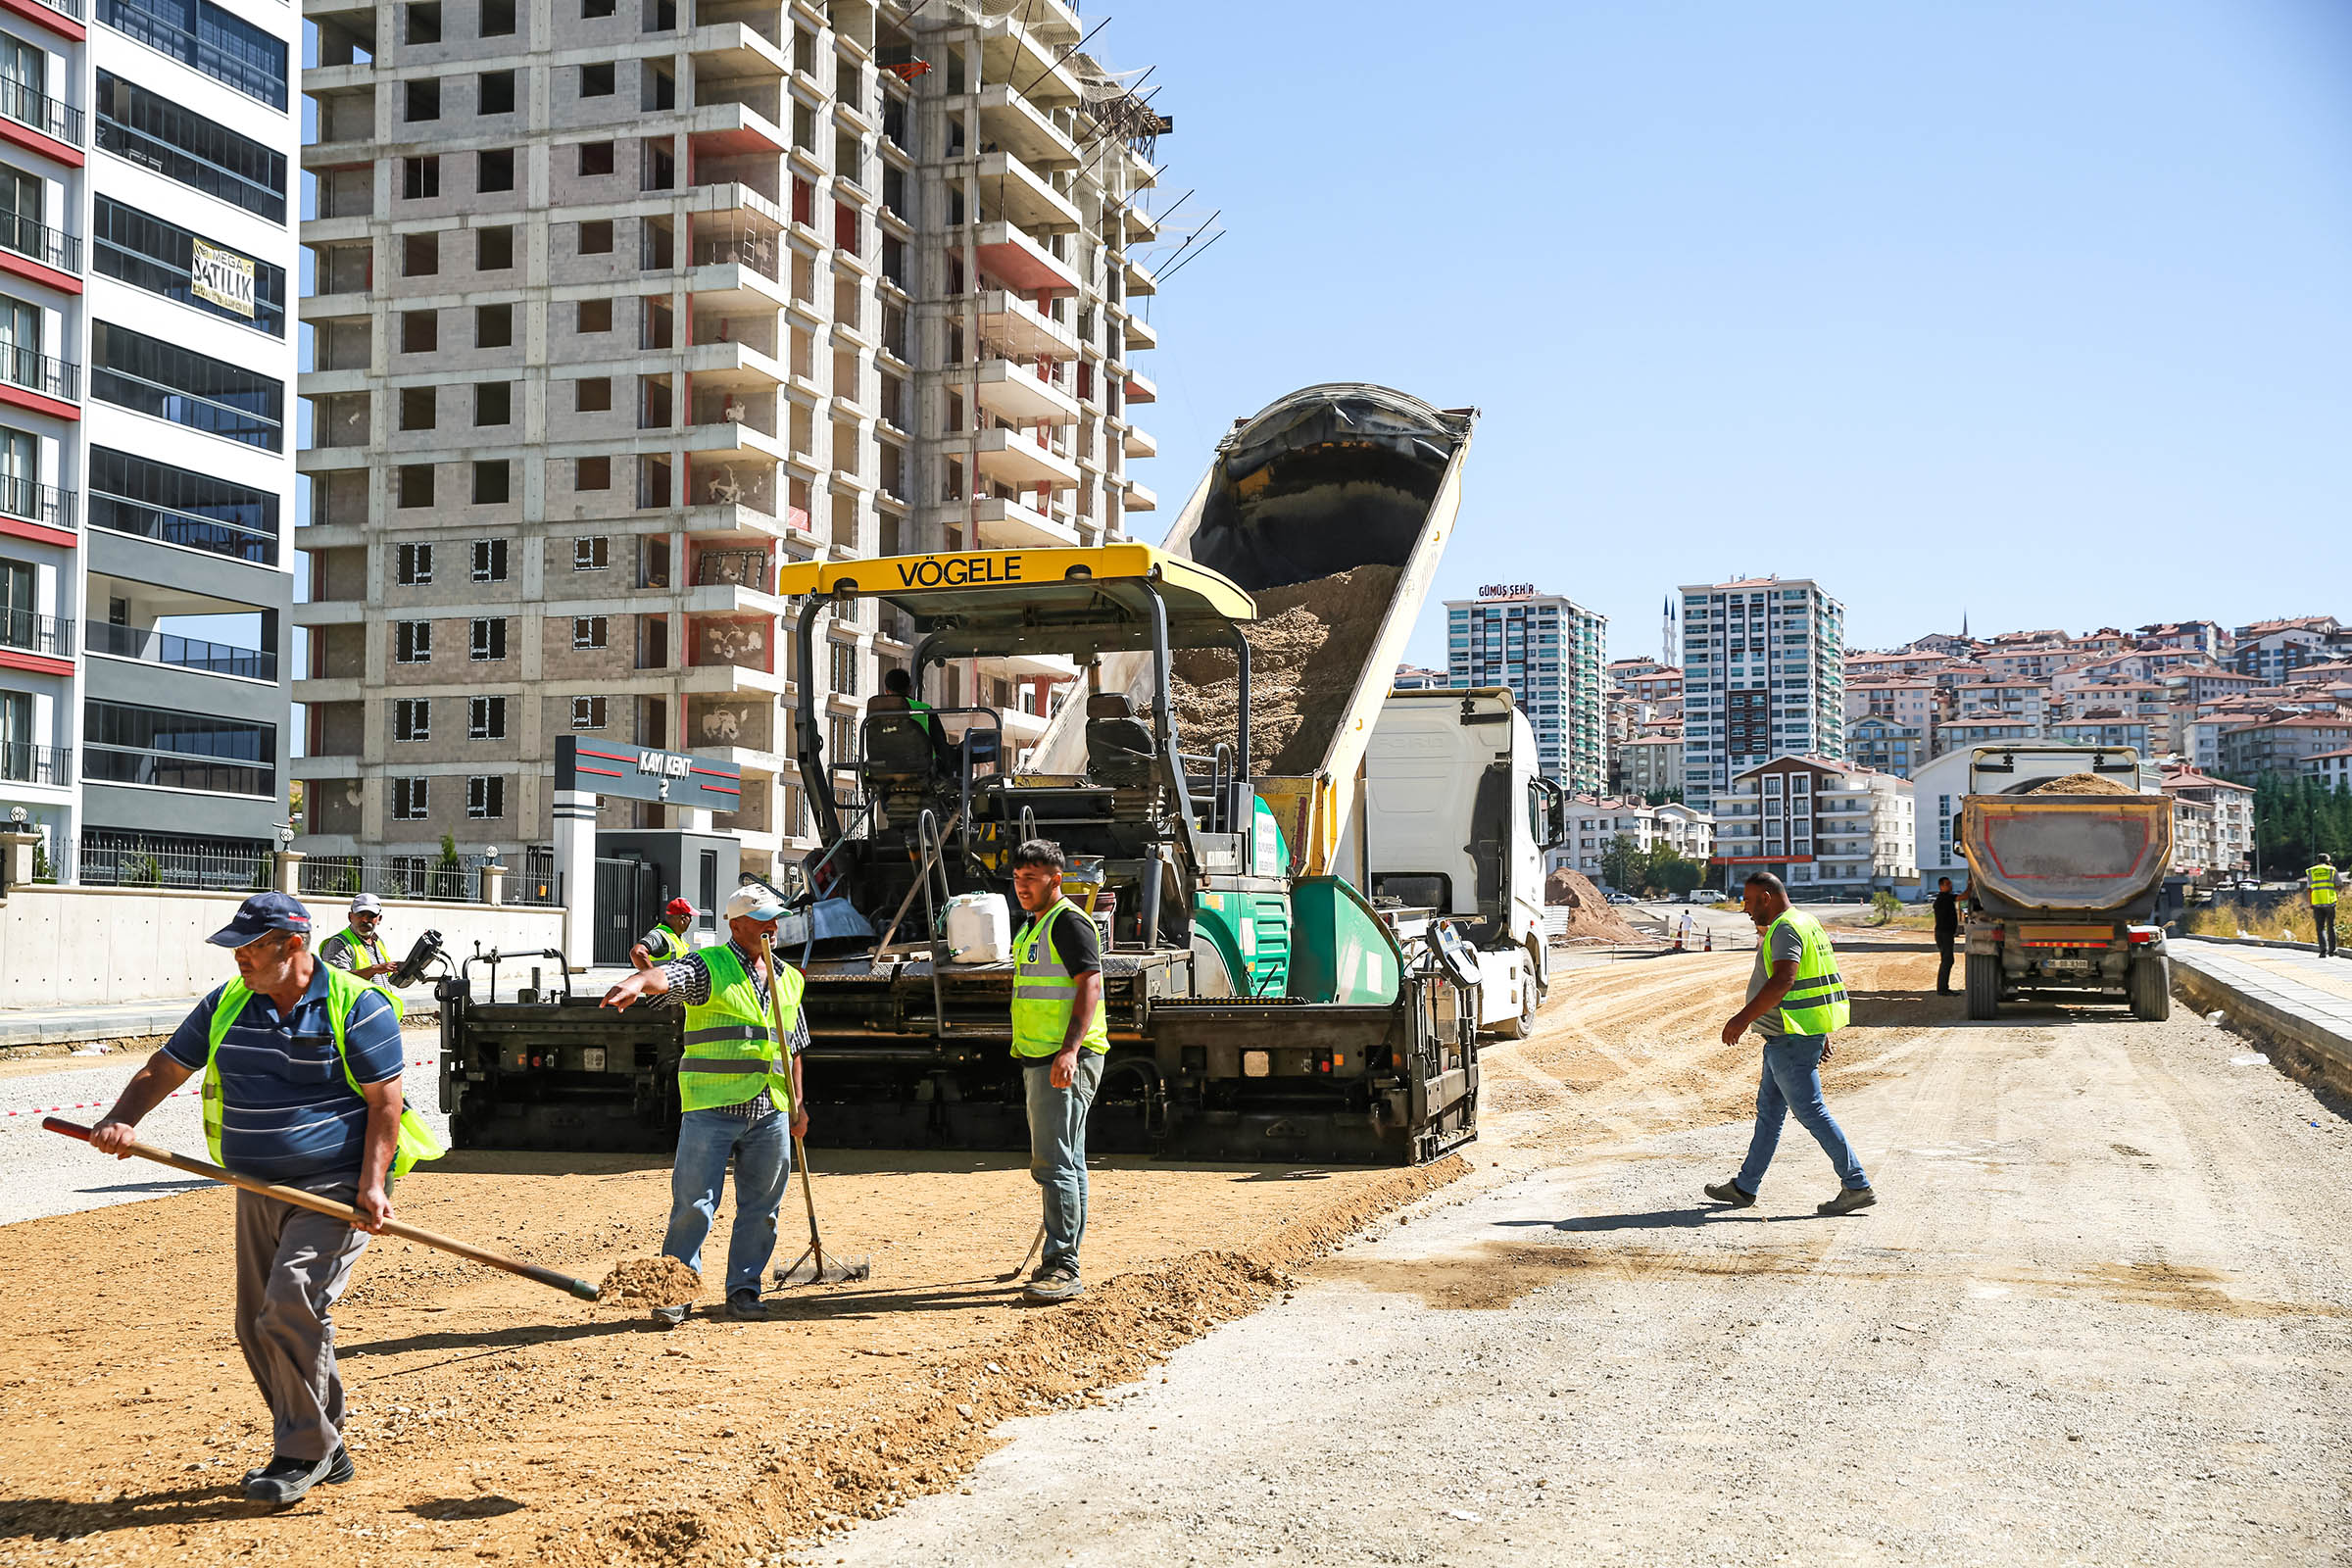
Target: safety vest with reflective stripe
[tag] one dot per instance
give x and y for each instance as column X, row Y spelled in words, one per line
column 343, row 992
column 1044, row 991
column 2323, row 885
column 1816, row 1003
column 925, row 715
column 371, row 946
column 732, row 1052
column 662, row 944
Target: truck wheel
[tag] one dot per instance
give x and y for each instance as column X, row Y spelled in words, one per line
column 1983, row 986
column 2150, row 987
column 1520, row 1027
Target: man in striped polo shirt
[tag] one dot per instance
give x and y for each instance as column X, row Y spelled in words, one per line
column 288, row 1112
column 750, row 1129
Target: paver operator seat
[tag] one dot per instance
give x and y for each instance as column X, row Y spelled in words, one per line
column 1118, row 745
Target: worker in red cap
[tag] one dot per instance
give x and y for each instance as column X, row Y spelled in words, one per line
column 665, row 941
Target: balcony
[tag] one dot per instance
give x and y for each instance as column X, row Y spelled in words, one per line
column 724, row 130
column 1142, row 497
column 1026, row 197
column 733, row 50
column 1011, row 258
column 23, row 763
column 35, row 371
column 53, row 117
column 1141, row 334
column 44, row 504
column 1139, row 444
column 1016, row 458
column 1138, row 387
column 1016, row 393
column 1011, row 123
column 1013, row 327
column 36, row 241
column 49, row 636
column 219, row 535
column 181, row 653
column 1003, row 524
column 1012, row 52
column 1139, row 278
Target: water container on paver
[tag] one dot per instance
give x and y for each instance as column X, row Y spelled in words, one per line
column 979, row 929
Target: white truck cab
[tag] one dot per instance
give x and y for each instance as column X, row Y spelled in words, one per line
column 1455, row 820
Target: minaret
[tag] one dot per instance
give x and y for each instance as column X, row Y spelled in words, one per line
column 1667, row 651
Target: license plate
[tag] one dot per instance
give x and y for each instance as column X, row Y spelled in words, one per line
column 2067, row 966
column 591, row 1058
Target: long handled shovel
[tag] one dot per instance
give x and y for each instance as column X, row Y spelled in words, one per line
column 342, row 1211
column 813, row 1266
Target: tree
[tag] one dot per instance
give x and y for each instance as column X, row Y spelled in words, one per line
column 1622, row 863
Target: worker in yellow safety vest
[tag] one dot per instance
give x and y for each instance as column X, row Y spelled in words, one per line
column 1059, row 1038
column 667, row 940
column 1796, row 1001
column 359, row 948
column 733, row 1094
column 2319, row 880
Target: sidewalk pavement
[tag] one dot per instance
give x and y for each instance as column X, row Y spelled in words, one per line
column 2297, row 999
column 112, row 1020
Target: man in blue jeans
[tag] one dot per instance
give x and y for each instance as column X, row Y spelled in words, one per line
column 1059, row 1036
column 1797, row 1000
column 731, row 1092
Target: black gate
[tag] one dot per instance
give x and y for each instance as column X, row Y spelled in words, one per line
column 628, row 901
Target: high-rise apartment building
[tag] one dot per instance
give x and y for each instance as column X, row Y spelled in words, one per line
column 146, row 453
column 1553, row 654
column 619, row 306
column 1763, row 676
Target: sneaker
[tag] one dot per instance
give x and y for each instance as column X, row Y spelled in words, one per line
column 339, row 1468
column 1848, row 1199
column 284, row 1481
column 669, row 1318
column 744, row 1306
column 1057, row 1284
column 1729, row 1192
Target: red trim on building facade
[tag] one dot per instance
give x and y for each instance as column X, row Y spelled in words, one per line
column 37, row 664
column 56, row 22
column 38, row 272
column 38, row 402
column 39, row 141
column 40, row 533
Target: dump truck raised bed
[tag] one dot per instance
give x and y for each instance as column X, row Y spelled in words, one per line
column 2063, row 887
column 1259, row 1007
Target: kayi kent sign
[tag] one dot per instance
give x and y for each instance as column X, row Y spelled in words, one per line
column 648, row 773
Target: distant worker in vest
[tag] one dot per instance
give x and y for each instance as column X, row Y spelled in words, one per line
column 2320, row 882
column 667, row 940
column 896, row 695
column 1797, row 1000
column 1059, row 1035
column 302, row 1065
column 359, row 948
column 732, row 1095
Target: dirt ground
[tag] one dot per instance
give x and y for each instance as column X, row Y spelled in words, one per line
column 498, row 1420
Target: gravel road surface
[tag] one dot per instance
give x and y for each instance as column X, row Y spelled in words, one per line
column 2102, row 1314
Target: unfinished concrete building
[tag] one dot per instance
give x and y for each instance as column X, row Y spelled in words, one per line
column 619, row 304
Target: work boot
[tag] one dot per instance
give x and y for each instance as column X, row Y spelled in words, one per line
column 339, row 1468
column 1729, row 1192
column 669, row 1318
column 1057, row 1284
column 744, row 1306
column 284, row 1481
column 1848, row 1199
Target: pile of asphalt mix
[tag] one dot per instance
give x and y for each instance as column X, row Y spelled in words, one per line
column 1306, row 655
column 1588, row 914
column 2081, row 784
column 650, row 1282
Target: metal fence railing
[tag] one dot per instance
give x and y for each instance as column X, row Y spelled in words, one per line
column 535, row 889
column 392, row 876
column 145, row 861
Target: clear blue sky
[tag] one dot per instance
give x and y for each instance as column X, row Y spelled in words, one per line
column 2039, row 312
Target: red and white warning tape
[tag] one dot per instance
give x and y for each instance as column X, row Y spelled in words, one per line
column 100, row 1104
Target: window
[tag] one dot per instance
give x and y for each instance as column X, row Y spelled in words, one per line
column 494, row 249
column 495, row 90
column 154, row 378
column 417, row 407
column 199, row 34
column 412, row 719
column 486, row 796
column 422, row 23
column 490, row 483
column 489, row 640
column 415, row 484
column 595, row 79
column 596, row 316
column 588, row 631
column 413, row 564
column 421, row 178
column 494, row 168
column 407, row 800
column 412, row 641
column 498, row 19
column 485, row 718
column 592, row 394
column 592, row 474
column 494, row 403
column 180, row 506
column 419, row 332
column 157, row 133
column 596, row 237
column 423, row 99
column 591, row 554
column 596, row 158
column 592, row 9
column 489, row 561
column 162, row 257
column 420, row 255
column 493, row 327
column 842, row 664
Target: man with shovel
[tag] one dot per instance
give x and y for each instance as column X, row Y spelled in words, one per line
column 731, row 1092
column 302, row 1070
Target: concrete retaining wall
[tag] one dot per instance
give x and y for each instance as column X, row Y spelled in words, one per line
column 2316, row 1047
column 74, row 947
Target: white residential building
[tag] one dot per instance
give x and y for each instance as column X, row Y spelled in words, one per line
column 1551, row 653
column 1688, row 830
column 1817, row 823
column 2213, row 823
column 1595, row 824
column 146, row 431
column 1763, row 675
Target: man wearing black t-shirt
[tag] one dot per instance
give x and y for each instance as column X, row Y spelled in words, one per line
column 1059, row 1037
column 1948, row 933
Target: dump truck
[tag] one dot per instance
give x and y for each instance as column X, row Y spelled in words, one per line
column 1260, row 1006
column 2062, row 887
column 1457, row 814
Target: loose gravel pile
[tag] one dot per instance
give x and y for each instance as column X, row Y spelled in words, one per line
column 1306, row 654
column 2081, row 784
column 1588, row 914
column 650, row 1282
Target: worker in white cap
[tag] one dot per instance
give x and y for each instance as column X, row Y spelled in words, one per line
column 359, row 948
